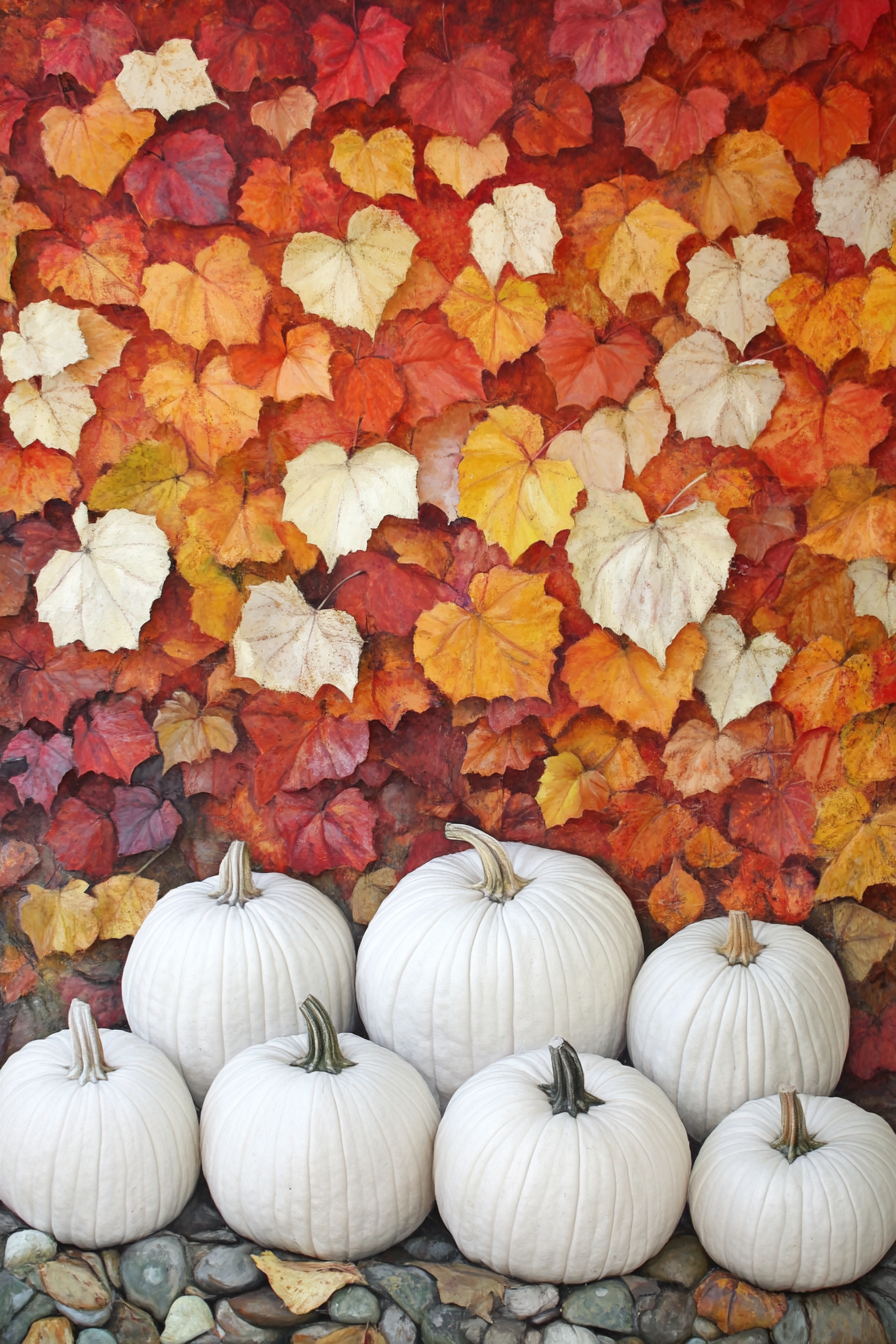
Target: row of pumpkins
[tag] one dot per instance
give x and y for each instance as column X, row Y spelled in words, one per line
column 547, row 1164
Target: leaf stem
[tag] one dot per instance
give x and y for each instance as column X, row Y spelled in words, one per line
column 357, row 574
column 683, row 491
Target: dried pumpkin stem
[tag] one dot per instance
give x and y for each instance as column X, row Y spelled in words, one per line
column 236, row 885
column 740, row 947
column 324, row 1055
column 500, row 882
column 795, row 1140
column 566, row 1091
column 88, row 1063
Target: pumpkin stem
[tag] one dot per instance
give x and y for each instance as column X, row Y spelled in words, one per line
column 566, row 1091
column 324, row 1055
column 795, row 1140
column 740, row 947
column 236, row 886
column 88, row 1063
column 500, row 882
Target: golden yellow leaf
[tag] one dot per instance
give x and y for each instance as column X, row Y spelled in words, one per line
column 216, row 414
column 876, row 319
column 380, row 166
column 502, row 324
column 237, row 524
column 643, row 254
column 15, row 217
column 824, row 323
column 628, row 683
column 567, row 789
column 595, row 739
column 122, row 904
column 862, row 844
column 60, row 920
column 222, row 300
column 743, row 179
column 188, row 733
column 868, row 746
column 708, row 848
column 304, row 1285
column 94, row 145
column 461, row 166
column 216, row 603
column 466, row 1286
column 848, row 520
column 154, row 478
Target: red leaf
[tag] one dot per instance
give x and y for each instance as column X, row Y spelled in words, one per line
column 115, row 741
column 268, row 47
column 366, row 391
column 607, row 42
column 17, row 976
column 558, row 117
column 143, row 820
column 386, row 598
column 668, row 126
column 770, row 519
column 585, row 366
column 777, row 821
column 438, row 368
column 279, row 199
column 219, row 775
column 89, row 48
column 798, row 898
column 437, row 768
column 49, row 682
column 48, row 759
column 847, row 20
column 872, row 1044
column 17, row 858
column 82, row 839
column 323, row 832
column 12, row 104
column 301, row 742
column 187, row 177
column 462, row 97
column 357, row 65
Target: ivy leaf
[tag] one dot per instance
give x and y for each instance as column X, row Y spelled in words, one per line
column 585, row 366
column 221, row 300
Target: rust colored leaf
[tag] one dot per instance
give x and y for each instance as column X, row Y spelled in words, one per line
column 585, row 365
column 734, row 1305
column 669, row 126
column 650, row 832
column 325, row 831
column 390, row 682
column 823, row 685
column 464, row 96
column 106, row 268
column 778, row 821
column 302, row 742
column 677, row 899
column 819, row 131
column 112, row 738
column 491, row 753
column 708, row 848
column 558, row 117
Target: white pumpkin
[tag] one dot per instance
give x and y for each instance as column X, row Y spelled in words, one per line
column 796, row 1193
column 100, row 1143
column 492, row 951
column 223, row 964
column 727, row 1011
column 320, row 1145
column 559, row 1168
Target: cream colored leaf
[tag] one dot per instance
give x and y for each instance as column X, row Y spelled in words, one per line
column 728, row 403
column 351, row 282
column 462, row 166
column 467, row 1286
column 188, row 733
column 520, row 227
column 648, row 579
column 337, row 500
column 613, row 436
column 380, row 166
column 286, row 645
column 103, row 593
column 729, row 293
column 856, row 204
column 55, row 414
column 122, row 904
column 47, row 341
column 736, row 676
column 286, row 116
column 874, row 592
column 105, row 342
column 304, row 1285
column 171, row 80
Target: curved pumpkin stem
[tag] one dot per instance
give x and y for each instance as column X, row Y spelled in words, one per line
column 236, row 885
column 741, row 948
column 500, row 882
column 324, row 1055
column 566, row 1091
column 795, row 1140
column 88, row 1063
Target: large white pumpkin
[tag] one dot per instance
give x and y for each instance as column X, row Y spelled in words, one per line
column 727, row 1011
column 318, row 1145
column 223, row 964
column 796, row 1193
column 560, row 1168
column 100, row 1143
column 492, row 951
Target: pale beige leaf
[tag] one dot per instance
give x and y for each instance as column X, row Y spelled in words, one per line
column 729, row 293
column 122, row 904
column 862, row 937
column 467, row 1286
column 55, row 413
column 728, row 403
column 286, row 645
column 736, row 676
column 47, row 341
column 188, row 733
column 856, row 204
column 613, row 436
column 519, row 226
column 286, row 116
column 171, row 80
column 462, row 166
column 305, row 1285
column 874, row 592
column 700, row 759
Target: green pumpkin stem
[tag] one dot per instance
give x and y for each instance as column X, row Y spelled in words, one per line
column 500, row 882
column 88, row 1062
column 795, row 1140
column 236, row 885
column 324, row 1055
column 566, row 1091
column 741, row 948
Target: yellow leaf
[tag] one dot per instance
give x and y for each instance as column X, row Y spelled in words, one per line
column 465, row 1286
column 595, row 739
column 461, row 166
column 861, row 937
column 122, row 904
column 60, row 920
column 744, row 178
column 216, row 603
column 862, row 843
column 305, row 1285
column 876, row 319
column 643, row 254
column 216, row 414
column 188, row 733
column 567, row 789
column 514, row 494
column 380, row 166
column 15, row 217
column 222, row 300
column 94, row 145
column 823, row 323
column 502, row 324
column 154, row 478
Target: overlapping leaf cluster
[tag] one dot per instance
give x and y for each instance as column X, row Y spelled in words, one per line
column 417, row 412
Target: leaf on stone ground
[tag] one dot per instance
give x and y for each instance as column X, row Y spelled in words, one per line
column 322, row 831
column 466, row 1286
column 501, row 324
column 360, row 63
column 734, row 1305
column 777, row 820
column 154, row 478
column 187, row 177
column 628, row 683
column 825, row 323
column 240, row 50
column 708, row 848
column 856, row 204
column 742, row 179
column 728, row 403
column 380, row 166
column 729, row 293
column 668, row 126
column 143, row 820
column 861, row 938
column 650, row 831
column 13, row 102
column 112, row 738
column 504, row 644
column 700, row 758
column 169, row 80
column 285, row 116
column 493, row 753
column 94, row 145
column 438, row 370
column 302, row 741
column 819, row 131
column 738, row 675
column 585, row 365
column 186, row 732
column 105, row 342
column 559, row 116
column 868, row 747
column 861, row 844
column 222, row 300
column 15, row 217
column 60, row 919
column 214, row 413
column 464, row 96
column 279, row 199
column 848, row 520
column 461, row 166
column 369, row 892
column 390, row 682
column 519, row 226
column 122, row 904
column 874, row 591
column 614, row 436
column 284, row 644
column 90, row 47
column 103, row 593
column 607, row 41
column 47, row 340
column 824, row 685
column 46, row 759
column 676, row 900
column 55, row 413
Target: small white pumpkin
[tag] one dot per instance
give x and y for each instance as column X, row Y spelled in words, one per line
column 796, row 1193
column 223, row 964
column 559, row 1168
column 320, row 1145
column 492, row 951
column 727, row 1010
column 100, row 1142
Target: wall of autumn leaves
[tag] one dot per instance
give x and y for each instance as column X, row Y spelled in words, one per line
column 615, row 285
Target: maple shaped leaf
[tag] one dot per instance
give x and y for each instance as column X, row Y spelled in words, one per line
column 737, row 676
column 648, row 579
column 237, row 51
column 55, row 413
column 559, row 116
column 350, row 282
column 607, row 41
column 59, row 920
column 222, row 300
column 874, row 591
column 464, row 96
column 438, row 369
column 48, row 339
column 106, row 268
column 519, row 226
column 668, row 126
column 819, row 131
column 628, row 683
column 187, row 177
column 46, row 761
column 13, row 102
column 323, row 832
column 357, row 64
column 297, row 366
column 168, row 81
column 90, row 48
column 848, row 519
column 729, row 294
column 728, row 403
column 82, row 837
column 585, row 365
column 214, row 413
column 856, row 204
column 708, row 848
column 823, row 322
column 743, row 179
column 462, row 166
column 848, row 20
column 303, row 741
column 861, row 843
column 279, row 199
column 15, row 217
column 380, row 166
column 501, row 324
column 112, row 738
column 94, row 145
column 613, row 437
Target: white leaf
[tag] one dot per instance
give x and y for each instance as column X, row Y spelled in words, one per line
column 55, row 414
column 613, row 436
column 856, row 204
column 648, row 580
column 172, row 80
column 48, row 340
column 284, row 644
column 737, row 676
column 728, row 403
column 103, row 593
column 351, row 282
column 337, row 500
column 729, row 293
column 875, row 591
column 520, row 227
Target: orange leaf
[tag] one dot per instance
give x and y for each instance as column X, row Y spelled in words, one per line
column 848, row 520
column 240, row 817
column 501, row 324
column 816, row 598
column 367, row 391
column 284, row 370
column 743, row 179
column 823, row 323
column 106, row 268
column 819, row 132
column 567, row 789
column 877, row 319
column 94, row 145
column 234, row 524
column 677, row 899
column 670, row 126
column 30, row 476
column 650, row 831
column 222, row 300
column 491, row 753
column 628, row 682
column 708, row 848
column 279, row 199
column 823, row 686
column 214, row 413
column 558, row 117
column 630, row 239
column 700, row 758
column 596, row 740
column 390, row 683
column 15, row 217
